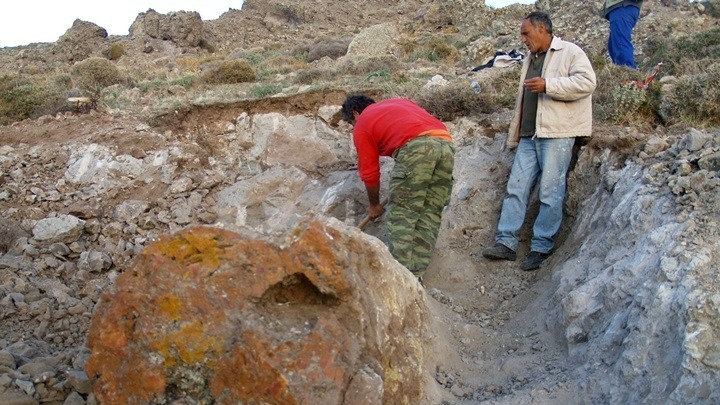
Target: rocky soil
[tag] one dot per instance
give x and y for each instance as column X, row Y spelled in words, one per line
column 625, row 311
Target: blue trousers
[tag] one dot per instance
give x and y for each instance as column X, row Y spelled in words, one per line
column 620, row 47
column 548, row 159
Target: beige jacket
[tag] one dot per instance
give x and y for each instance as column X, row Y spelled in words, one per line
column 565, row 109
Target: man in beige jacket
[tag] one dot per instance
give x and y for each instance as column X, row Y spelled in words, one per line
column 553, row 107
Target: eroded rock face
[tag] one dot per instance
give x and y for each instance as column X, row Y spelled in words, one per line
column 183, row 28
column 211, row 315
column 81, row 41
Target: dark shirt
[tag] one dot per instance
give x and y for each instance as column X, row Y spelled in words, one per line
column 530, row 99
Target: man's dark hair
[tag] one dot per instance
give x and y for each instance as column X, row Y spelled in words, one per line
column 540, row 17
column 355, row 103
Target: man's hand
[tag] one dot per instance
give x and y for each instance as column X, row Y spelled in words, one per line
column 375, row 211
column 535, row 85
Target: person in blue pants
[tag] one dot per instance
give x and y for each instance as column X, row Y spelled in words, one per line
column 623, row 15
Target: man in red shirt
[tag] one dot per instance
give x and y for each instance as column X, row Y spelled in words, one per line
column 421, row 180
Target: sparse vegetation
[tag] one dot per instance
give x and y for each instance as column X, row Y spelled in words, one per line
column 264, row 90
column 686, row 55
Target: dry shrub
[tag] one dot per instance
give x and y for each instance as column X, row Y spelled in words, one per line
column 114, row 52
column 230, row 72
column 408, row 47
column 278, row 63
column 694, row 99
column 494, row 92
column 330, row 48
column 500, row 89
column 94, row 74
column 310, row 76
column 450, row 102
column 366, row 66
column 189, row 64
column 685, row 55
column 440, row 48
column 618, row 99
column 434, row 49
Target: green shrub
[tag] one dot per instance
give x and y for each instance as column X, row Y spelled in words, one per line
column 21, row 98
column 625, row 102
column 205, row 45
column 230, row 72
column 94, row 74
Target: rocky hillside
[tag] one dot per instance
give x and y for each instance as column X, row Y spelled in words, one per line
column 102, row 203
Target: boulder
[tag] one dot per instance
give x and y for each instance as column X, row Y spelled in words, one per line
column 82, row 40
column 209, row 314
column 62, row 229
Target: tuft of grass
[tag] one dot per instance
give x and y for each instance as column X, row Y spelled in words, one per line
column 185, row 81
column 262, row 90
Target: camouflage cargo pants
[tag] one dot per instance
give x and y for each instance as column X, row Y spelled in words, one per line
column 420, row 187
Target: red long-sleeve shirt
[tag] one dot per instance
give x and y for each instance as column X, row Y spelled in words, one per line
column 384, row 127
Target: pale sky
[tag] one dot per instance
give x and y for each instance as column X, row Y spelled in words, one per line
column 26, row 21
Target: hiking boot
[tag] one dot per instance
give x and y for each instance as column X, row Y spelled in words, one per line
column 533, row 260
column 499, row 252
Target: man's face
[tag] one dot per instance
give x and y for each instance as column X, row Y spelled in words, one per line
column 533, row 37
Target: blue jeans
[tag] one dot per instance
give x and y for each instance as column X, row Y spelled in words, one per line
column 548, row 159
column 620, row 47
